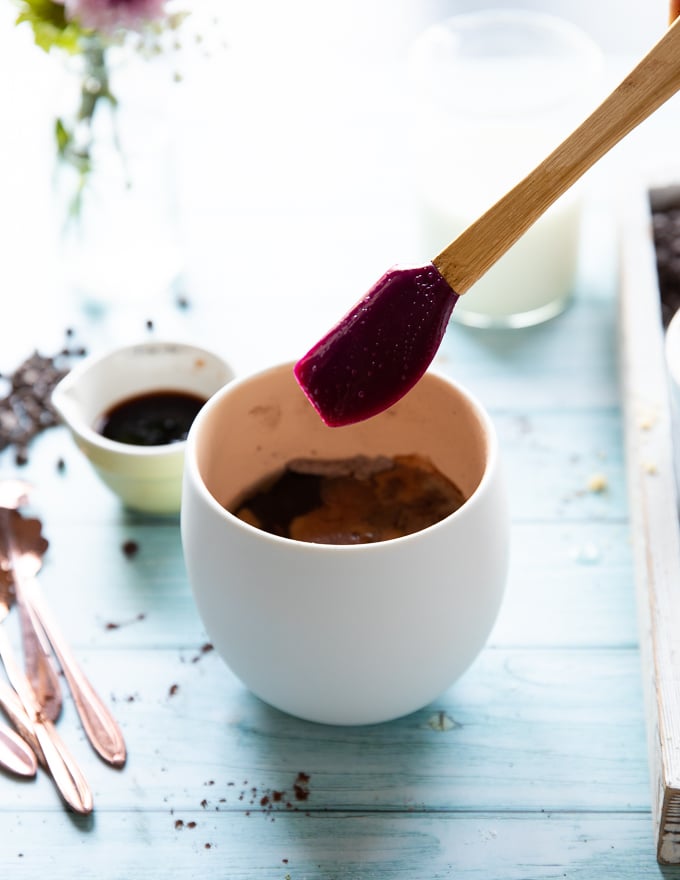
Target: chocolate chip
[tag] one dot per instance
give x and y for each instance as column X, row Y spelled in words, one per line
column 130, row 549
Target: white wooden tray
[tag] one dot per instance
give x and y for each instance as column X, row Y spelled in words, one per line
column 654, row 514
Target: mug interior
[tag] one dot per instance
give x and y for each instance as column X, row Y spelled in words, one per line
column 252, row 429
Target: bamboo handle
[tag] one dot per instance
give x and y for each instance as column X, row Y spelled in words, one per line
column 655, row 79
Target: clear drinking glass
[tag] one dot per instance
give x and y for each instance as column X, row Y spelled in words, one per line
column 497, row 90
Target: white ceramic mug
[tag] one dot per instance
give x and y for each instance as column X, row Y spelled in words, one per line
column 352, row 634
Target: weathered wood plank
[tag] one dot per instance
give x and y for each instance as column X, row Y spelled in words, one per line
column 190, row 723
column 654, row 517
column 147, row 846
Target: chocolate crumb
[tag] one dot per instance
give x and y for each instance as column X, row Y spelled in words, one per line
column 301, row 786
column 179, row 823
column 207, row 845
column 204, row 649
column 116, row 625
column 149, row 324
column 27, row 410
column 130, row 549
column 191, row 824
column 173, row 690
column 204, row 803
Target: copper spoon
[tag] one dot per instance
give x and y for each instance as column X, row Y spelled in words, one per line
column 15, row 753
column 382, row 347
column 99, row 725
column 63, row 768
column 15, row 712
column 38, row 657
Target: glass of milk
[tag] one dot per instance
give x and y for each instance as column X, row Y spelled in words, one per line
column 495, row 91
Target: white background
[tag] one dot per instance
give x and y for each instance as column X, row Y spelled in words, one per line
column 293, row 170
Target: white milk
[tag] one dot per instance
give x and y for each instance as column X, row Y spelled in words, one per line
column 534, row 279
column 496, row 93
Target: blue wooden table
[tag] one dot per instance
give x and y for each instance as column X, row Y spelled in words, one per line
column 534, row 764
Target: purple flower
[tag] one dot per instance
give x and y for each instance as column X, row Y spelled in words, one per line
column 111, row 15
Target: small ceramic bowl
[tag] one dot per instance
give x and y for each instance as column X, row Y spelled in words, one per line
column 146, row 478
column 344, row 634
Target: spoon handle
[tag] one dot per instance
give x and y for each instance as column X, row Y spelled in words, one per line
column 65, row 772
column 14, row 710
column 99, row 724
column 39, row 662
column 655, row 79
column 15, row 754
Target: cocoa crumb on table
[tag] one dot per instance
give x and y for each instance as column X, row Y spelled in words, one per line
column 130, row 549
column 301, row 786
column 112, row 624
column 204, row 649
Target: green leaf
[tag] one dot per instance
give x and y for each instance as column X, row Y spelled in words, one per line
column 63, row 136
column 51, row 29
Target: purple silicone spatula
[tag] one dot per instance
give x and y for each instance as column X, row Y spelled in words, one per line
column 382, row 347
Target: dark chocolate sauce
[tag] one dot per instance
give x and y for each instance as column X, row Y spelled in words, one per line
column 357, row 500
column 156, row 418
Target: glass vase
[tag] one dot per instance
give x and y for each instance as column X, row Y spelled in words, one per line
column 116, row 204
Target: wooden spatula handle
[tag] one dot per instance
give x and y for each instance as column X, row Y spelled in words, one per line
column 655, row 79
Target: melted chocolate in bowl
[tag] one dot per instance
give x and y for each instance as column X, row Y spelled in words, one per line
column 356, row 500
column 153, row 418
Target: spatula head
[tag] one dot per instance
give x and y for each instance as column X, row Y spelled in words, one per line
column 380, row 349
